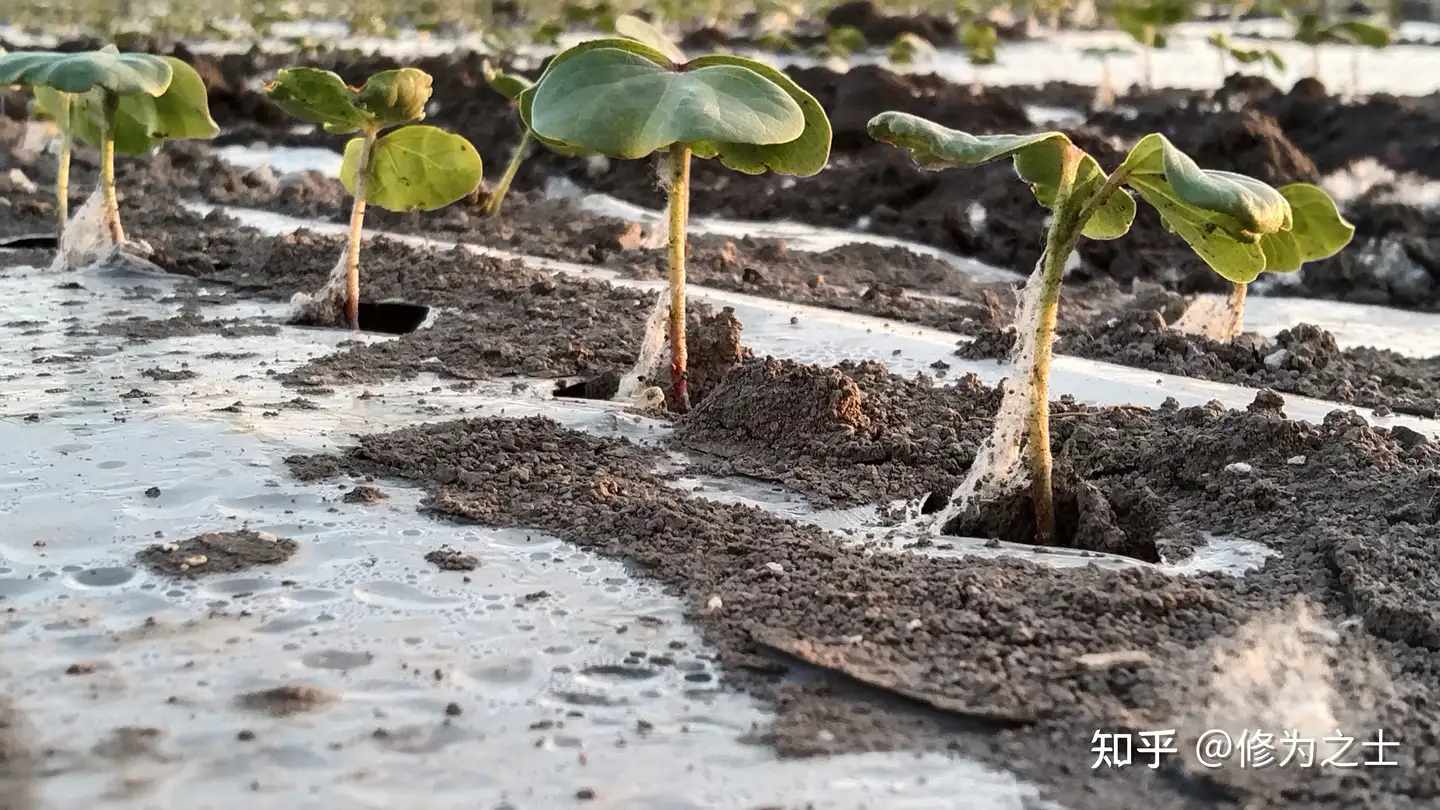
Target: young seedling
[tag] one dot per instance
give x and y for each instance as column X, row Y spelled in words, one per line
column 979, row 40
column 1105, row 91
column 1239, row 226
column 115, row 102
column 510, row 86
column 907, row 47
column 840, row 44
column 1148, row 22
column 1244, row 56
column 623, row 99
column 1312, row 30
column 414, row 168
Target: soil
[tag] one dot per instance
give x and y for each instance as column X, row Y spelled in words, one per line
column 1019, row 663
column 215, row 553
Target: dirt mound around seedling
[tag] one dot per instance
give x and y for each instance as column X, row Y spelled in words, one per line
column 836, row 433
column 1112, row 520
column 218, row 553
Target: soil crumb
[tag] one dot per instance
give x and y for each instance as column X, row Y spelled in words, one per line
column 289, row 700
column 218, row 553
column 450, row 559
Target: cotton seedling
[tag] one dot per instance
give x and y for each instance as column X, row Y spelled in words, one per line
column 1244, row 56
column 623, row 99
column 1148, row 22
column 413, row 168
column 115, row 102
column 1239, row 226
column 1312, row 30
column 907, row 47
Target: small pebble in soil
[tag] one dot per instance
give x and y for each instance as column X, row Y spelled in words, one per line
column 585, row 794
column 1239, row 468
column 449, row 559
column 453, row 710
column 152, row 492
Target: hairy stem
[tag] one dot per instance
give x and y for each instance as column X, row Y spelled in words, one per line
column 357, row 221
column 492, row 205
column 1060, row 242
column 107, row 169
column 1235, row 306
column 679, row 189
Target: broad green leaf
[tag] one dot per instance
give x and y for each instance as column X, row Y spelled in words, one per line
column 320, row 97
column 801, row 157
column 1037, row 160
column 622, row 104
column 120, row 73
column 394, row 97
column 632, row 27
column 506, row 84
column 417, row 168
column 183, row 110
column 1319, row 231
column 526, row 99
column 142, row 122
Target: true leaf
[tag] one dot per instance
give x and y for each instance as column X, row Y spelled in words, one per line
column 320, row 97
column 1037, row 160
column 120, row 73
column 417, row 168
column 624, row 104
column 394, row 97
column 632, row 27
column 1318, row 232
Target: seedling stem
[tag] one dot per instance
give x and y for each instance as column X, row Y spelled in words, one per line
column 492, row 205
column 62, row 169
column 357, row 220
column 679, row 215
column 107, row 168
column 1235, row 307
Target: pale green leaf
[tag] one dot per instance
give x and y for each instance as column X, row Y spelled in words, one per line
column 320, row 97
column 1231, row 258
column 416, row 168
column 393, row 97
column 1319, row 231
